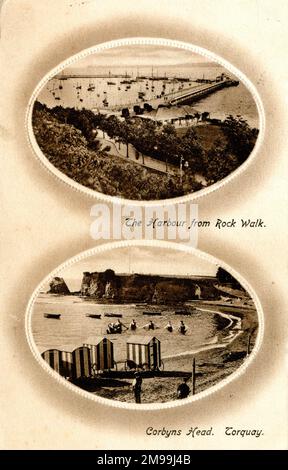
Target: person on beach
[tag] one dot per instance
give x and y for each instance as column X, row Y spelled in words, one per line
column 110, row 329
column 133, row 325
column 183, row 389
column 118, row 326
column 136, row 387
column 150, row 326
column 182, row 328
column 169, row 327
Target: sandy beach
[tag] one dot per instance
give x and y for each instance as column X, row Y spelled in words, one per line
column 213, row 364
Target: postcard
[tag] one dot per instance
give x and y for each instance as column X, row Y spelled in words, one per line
column 144, row 225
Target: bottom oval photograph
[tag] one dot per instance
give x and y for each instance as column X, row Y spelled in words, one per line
column 144, row 324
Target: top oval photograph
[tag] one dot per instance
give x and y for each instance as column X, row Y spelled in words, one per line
column 144, row 120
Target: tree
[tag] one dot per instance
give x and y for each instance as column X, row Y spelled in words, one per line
column 111, row 126
column 168, row 145
column 218, row 163
column 240, row 137
column 191, row 150
column 126, row 134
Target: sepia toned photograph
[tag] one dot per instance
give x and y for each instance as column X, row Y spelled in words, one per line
column 145, row 122
column 144, row 324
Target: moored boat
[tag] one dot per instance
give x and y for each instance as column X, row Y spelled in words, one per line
column 94, row 315
column 56, row 316
column 152, row 313
column 117, row 315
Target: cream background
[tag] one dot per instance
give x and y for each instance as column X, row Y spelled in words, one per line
column 44, row 222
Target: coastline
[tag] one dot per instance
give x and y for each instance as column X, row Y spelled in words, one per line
column 214, row 362
column 213, row 343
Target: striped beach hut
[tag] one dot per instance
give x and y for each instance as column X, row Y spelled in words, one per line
column 144, row 351
column 81, row 362
column 67, row 364
column 60, row 361
column 53, row 357
column 101, row 352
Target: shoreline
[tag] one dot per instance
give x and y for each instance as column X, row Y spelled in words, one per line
column 229, row 325
column 212, row 367
column 211, row 345
column 217, row 358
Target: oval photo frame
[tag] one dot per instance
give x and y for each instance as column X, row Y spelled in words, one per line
column 177, row 146
column 222, row 316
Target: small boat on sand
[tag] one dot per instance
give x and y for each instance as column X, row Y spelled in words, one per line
column 117, row 315
column 56, row 316
column 94, row 315
column 152, row 313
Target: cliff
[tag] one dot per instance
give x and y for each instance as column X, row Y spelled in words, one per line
column 58, row 286
column 146, row 288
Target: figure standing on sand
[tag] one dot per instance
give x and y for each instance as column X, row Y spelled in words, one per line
column 116, row 327
column 169, row 327
column 182, row 328
column 150, row 326
column 183, row 389
column 133, row 325
column 136, row 387
column 110, row 328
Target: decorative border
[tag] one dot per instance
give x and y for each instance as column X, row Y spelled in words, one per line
column 144, row 243
column 144, row 41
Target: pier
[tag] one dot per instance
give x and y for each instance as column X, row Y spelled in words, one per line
column 186, row 95
column 189, row 91
column 90, row 76
column 201, row 91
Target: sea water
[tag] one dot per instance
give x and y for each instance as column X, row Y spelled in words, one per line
column 75, row 327
column 111, row 93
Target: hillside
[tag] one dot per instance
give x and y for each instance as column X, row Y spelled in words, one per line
column 67, row 149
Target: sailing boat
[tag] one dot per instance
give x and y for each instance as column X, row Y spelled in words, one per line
column 91, row 87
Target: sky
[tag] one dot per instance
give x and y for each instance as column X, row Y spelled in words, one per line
column 142, row 260
column 139, row 55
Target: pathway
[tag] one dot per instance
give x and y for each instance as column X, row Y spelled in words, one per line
column 120, row 150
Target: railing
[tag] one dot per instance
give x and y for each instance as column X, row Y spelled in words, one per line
column 192, row 93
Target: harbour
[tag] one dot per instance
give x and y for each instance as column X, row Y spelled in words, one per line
column 172, row 126
column 113, row 92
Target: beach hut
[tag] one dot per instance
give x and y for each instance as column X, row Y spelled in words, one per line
column 67, row 364
column 101, row 352
column 144, row 351
column 81, row 362
column 60, row 361
column 53, row 357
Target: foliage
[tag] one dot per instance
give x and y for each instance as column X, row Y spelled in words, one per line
column 67, row 149
column 226, row 278
column 241, row 138
column 70, row 140
column 219, row 163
